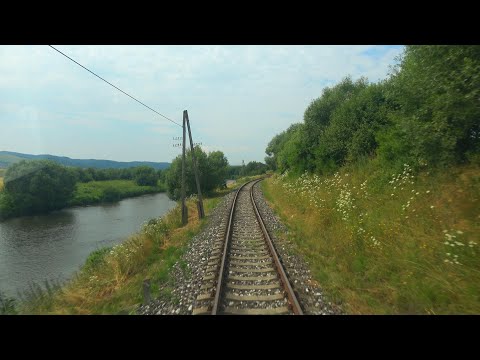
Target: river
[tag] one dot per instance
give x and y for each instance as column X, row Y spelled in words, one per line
column 53, row 246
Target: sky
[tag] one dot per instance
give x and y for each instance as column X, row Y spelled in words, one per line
column 237, row 97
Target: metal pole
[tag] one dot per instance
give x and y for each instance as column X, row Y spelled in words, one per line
column 201, row 212
column 184, row 207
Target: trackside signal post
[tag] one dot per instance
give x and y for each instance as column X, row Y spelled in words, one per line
column 201, row 212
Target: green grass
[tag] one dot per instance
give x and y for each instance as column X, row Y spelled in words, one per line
column 376, row 255
column 95, row 192
column 1, row 183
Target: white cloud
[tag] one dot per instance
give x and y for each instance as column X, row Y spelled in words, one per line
column 234, row 94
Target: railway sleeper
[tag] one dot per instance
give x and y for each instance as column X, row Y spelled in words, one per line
column 275, row 311
column 273, row 297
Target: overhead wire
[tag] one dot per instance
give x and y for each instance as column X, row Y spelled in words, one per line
column 148, row 107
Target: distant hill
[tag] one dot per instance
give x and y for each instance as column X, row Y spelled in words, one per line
column 9, row 157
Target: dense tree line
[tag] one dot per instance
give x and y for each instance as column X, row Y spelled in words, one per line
column 251, row 169
column 426, row 112
column 143, row 175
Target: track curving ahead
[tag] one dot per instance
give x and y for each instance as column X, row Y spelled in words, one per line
column 244, row 274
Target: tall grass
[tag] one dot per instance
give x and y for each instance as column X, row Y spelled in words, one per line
column 387, row 243
column 1, row 183
column 7, row 305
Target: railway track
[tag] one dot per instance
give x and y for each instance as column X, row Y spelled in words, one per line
column 244, row 275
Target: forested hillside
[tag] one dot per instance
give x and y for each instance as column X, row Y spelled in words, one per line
column 8, row 157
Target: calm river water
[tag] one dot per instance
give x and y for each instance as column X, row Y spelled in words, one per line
column 54, row 246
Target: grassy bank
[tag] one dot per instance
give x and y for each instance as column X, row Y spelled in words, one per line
column 383, row 243
column 1, row 183
column 95, row 192
column 110, row 282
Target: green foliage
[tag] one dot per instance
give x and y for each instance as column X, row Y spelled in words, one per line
column 7, row 305
column 436, row 91
column 350, row 134
column 233, row 171
column 277, row 144
column 109, row 191
column 39, row 186
column 34, row 187
column 216, row 171
column 318, row 116
column 96, row 258
column 111, row 194
column 294, row 153
column 426, row 112
column 145, row 176
column 212, row 169
column 253, row 168
column 7, row 206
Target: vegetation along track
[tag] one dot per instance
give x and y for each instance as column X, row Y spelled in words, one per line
column 244, row 274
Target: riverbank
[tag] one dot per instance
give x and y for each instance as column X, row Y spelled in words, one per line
column 110, row 281
column 95, row 192
column 54, row 246
column 406, row 244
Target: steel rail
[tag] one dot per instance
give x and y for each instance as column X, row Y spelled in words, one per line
column 297, row 310
column 228, row 236
column 294, row 304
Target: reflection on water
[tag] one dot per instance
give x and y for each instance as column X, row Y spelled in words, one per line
column 54, row 246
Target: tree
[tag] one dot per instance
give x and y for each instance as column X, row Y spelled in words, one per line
column 276, row 145
column 436, row 91
column 145, row 176
column 217, row 169
column 350, row 134
column 294, row 153
column 318, row 115
column 39, row 186
column 254, row 168
column 212, row 169
column 233, row 171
